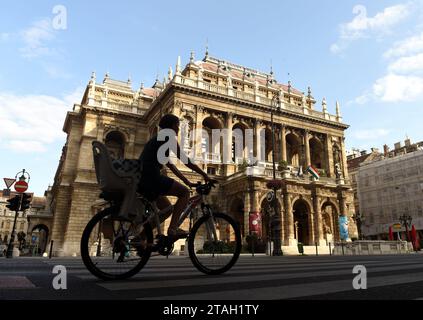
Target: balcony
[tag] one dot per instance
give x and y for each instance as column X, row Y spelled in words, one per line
column 212, row 158
column 251, row 96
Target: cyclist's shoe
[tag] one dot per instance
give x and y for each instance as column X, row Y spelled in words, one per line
column 176, row 234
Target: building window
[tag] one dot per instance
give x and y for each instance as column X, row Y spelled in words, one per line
column 211, row 171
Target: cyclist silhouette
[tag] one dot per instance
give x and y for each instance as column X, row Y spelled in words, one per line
column 156, row 186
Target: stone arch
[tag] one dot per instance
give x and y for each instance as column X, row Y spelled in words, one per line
column 317, row 156
column 293, row 149
column 115, row 143
column 330, row 212
column 210, row 123
column 301, row 210
column 39, row 237
column 265, row 211
column 241, row 148
column 268, row 148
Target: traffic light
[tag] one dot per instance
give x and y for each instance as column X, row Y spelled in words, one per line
column 13, row 203
column 26, row 200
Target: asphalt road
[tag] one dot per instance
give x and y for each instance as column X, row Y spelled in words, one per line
column 252, row 278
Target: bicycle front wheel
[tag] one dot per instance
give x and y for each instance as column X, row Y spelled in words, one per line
column 214, row 243
column 113, row 248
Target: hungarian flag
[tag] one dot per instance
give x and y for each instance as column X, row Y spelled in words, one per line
column 313, row 172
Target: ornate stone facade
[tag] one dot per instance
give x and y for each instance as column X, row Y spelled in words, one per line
column 213, row 94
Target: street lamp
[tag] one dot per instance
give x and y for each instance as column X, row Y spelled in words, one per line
column 359, row 219
column 276, row 223
column 406, row 222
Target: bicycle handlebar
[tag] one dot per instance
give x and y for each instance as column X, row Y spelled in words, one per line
column 206, row 187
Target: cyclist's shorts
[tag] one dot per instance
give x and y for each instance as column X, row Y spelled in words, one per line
column 154, row 186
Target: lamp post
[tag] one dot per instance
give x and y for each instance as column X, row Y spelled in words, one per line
column 406, row 222
column 276, row 216
column 358, row 218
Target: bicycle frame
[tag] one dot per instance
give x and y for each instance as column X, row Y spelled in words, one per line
column 192, row 204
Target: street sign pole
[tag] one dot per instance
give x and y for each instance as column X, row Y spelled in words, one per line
column 21, row 186
column 9, row 253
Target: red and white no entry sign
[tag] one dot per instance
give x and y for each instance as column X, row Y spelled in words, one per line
column 21, row 186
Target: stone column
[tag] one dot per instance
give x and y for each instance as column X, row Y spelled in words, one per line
column 289, row 218
column 283, row 143
column 198, row 132
column 329, row 157
column 312, row 230
column 283, row 220
column 247, row 209
column 229, row 126
column 307, row 149
column 258, row 154
column 318, row 234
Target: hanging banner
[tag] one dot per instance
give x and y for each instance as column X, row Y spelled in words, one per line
column 255, row 222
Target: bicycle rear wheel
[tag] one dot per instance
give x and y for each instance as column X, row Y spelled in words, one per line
column 214, row 252
column 113, row 248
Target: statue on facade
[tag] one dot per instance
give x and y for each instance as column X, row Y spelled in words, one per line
column 338, row 172
column 185, row 135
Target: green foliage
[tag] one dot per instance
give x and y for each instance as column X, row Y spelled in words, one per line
column 218, row 247
column 283, row 165
column 242, row 166
column 258, row 243
column 322, row 173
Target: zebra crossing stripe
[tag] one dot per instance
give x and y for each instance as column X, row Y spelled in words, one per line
column 290, row 291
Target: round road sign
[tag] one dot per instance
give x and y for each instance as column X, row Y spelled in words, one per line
column 21, row 186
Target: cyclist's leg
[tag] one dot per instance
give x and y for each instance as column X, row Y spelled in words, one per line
column 182, row 193
column 163, row 203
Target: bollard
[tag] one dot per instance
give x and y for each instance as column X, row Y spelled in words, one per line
column 342, row 245
column 317, row 249
column 330, row 249
column 51, row 249
column 252, row 246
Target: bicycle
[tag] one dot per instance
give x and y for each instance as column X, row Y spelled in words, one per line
column 116, row 247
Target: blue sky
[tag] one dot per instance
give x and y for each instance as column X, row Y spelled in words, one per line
column 368, row 55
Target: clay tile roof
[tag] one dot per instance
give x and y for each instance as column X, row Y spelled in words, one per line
column 38, row 202
column 150, row 92
column 355, row 162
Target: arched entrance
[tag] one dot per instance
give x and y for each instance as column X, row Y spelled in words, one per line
column 330, row 222
column 266, row 212
column 39, row 237
column 237, row 212
column 301, row 222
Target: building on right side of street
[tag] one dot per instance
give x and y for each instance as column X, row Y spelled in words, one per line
column 389, row 187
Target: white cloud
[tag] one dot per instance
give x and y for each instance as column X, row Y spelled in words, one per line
column 363, row 26
column 30, row 123
column 407, row 65
column 405, row 47
column 35, row 39
column 370, row 134
column 398, row 88
column 28, row 146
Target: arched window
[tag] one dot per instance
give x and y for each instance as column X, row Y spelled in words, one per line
column 293, row 150
column 316, row 153
column 115, row 143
